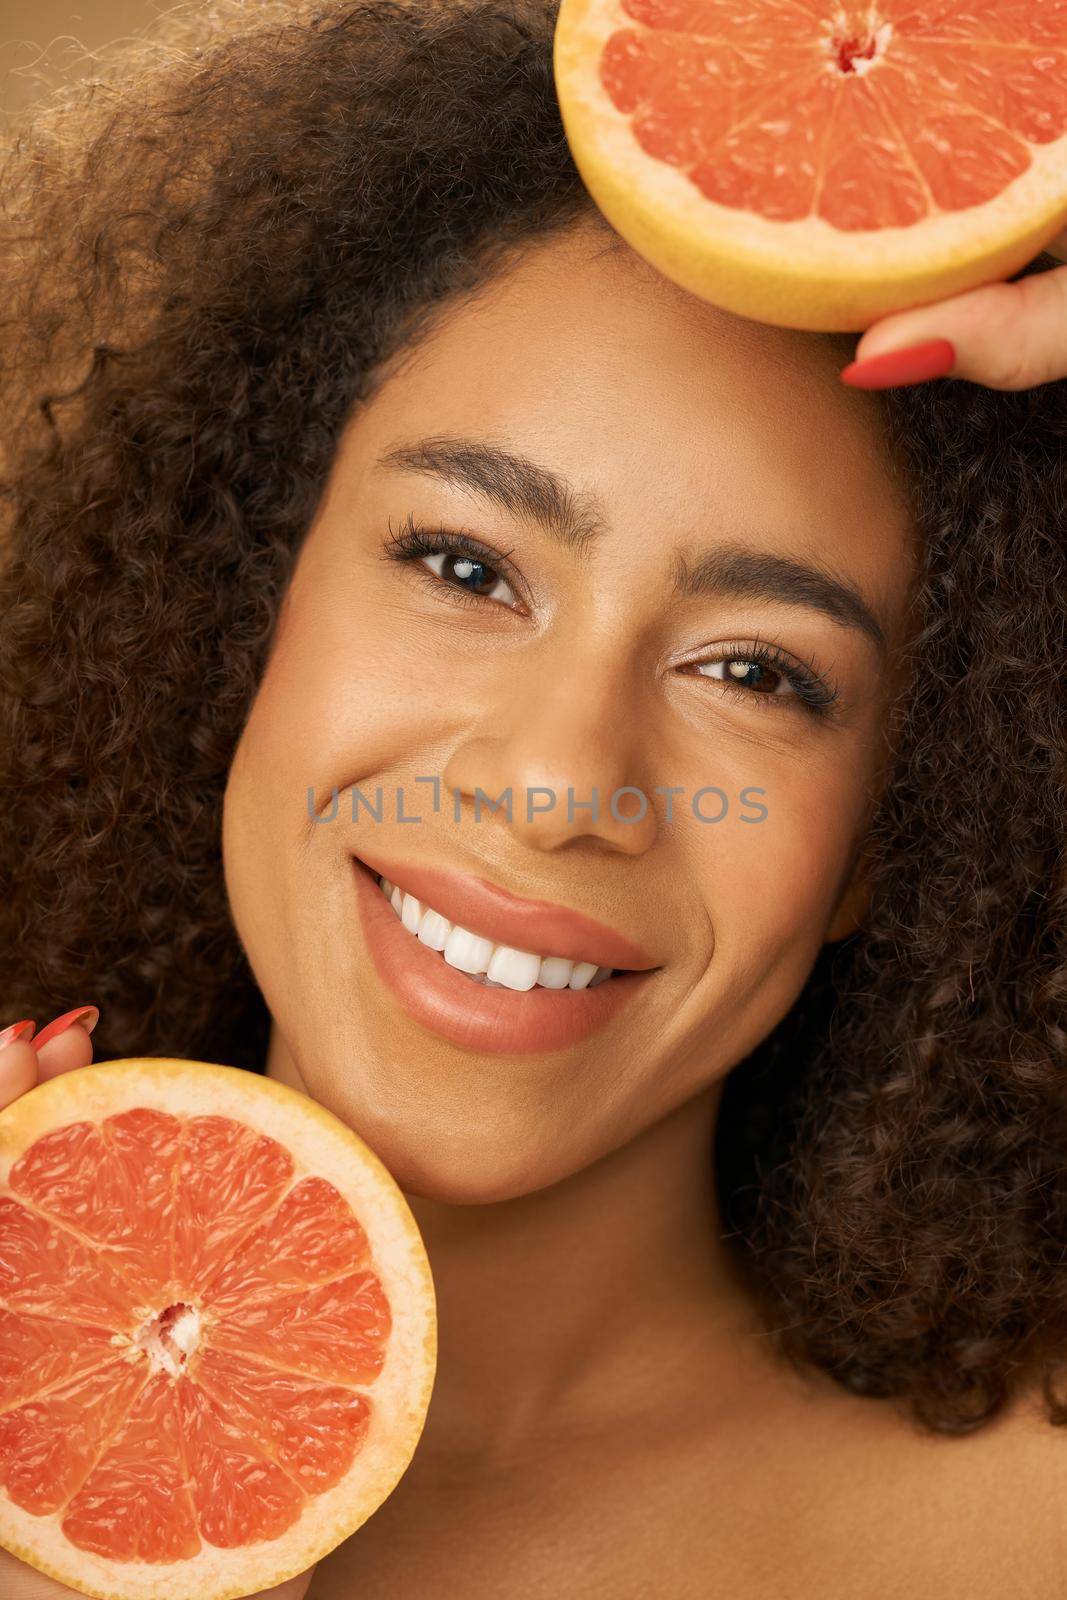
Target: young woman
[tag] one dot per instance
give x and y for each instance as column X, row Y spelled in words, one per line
column 354, row 466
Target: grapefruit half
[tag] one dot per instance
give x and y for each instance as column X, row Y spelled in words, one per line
column 820, row 165
column 217, row 1330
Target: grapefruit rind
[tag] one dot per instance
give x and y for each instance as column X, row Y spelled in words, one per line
column 319, row 1144
column 798, row 274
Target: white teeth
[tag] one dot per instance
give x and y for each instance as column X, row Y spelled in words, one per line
column 515, row 969
column 555, row 972
column 498, row 965
column 411, row 913
column 467, row 951
column 583, row 971
column 434, row 929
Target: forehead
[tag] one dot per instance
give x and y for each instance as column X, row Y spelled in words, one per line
column 680, row 416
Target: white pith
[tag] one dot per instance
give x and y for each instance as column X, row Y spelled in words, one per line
column 881, row 36
column 498, row 966
column 168, row 1348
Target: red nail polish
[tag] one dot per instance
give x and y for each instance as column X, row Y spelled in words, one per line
column 935, row 358
column 88, row 1016
column 17, row 1030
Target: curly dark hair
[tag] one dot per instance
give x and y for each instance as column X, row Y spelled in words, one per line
column 207, row 258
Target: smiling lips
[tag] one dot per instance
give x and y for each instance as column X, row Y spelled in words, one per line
column 516, row 1020
column 483, row 959
column 495, row 914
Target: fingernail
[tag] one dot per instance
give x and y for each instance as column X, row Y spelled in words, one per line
column 934, row 358
column 88, row 1016
column 17, row 1030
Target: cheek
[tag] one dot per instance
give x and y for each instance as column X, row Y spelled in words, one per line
column 332, row 706
column 345, row 697
column 773, row 891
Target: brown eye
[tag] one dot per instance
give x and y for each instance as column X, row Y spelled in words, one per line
column 760, row 671
column 469, row 573
column 745, row 673
column 463, row 569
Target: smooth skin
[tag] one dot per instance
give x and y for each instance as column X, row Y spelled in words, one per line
column 1005, row 335
column 607, row 1417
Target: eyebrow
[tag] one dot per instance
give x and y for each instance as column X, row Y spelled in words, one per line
column 576, row 520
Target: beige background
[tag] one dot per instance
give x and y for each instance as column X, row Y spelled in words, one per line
column 62, row 31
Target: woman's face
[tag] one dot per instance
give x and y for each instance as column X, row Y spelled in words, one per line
column 694, row 577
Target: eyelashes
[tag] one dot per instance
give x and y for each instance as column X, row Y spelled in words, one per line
column 757, row 671
column 414, row 542
column 769, row 661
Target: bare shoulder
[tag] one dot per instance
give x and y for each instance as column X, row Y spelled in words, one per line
column 1008, row 1482
column 877, row 1505
column 799, row 1490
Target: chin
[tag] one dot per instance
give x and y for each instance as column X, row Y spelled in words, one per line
column 473, row 1175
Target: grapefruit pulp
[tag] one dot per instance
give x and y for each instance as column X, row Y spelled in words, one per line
column 217, row 1330
column 816, row 164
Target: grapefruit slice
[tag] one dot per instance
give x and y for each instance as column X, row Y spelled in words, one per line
column 217, row 1331
column 820, row 165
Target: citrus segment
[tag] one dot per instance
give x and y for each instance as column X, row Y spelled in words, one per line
column 49, row 1444
column 887, row 190
column 231, row 1177
column 820, row 164
column 134, row 1505
column 36, row 1352
column 312, row 1237
column 336, row 1330
column 47, row 1270
column 1013, row 22
column 217, row 1331
column 310, row 1428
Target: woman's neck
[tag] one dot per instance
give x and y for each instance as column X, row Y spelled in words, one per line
column 606, row 1297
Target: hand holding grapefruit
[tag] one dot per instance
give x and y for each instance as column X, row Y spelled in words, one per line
column 217, row 1333
column 1004, row 335
column 819, row 164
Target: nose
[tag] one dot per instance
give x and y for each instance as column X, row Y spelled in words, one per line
column 564, row 739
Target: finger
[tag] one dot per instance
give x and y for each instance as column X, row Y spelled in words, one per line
column 67, row 1050
column 1005, row 335
column 64, row 1043
column 22, row 1066
column 18, row 1070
